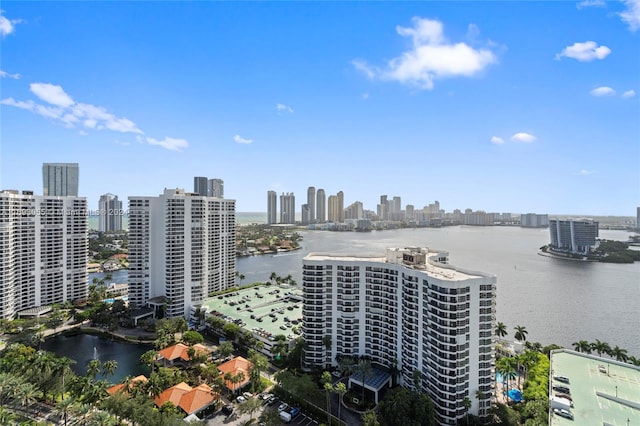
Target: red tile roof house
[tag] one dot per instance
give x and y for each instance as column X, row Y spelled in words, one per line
column 180, row 353
column 121, row 387
column 235, row 366
column 190, row 400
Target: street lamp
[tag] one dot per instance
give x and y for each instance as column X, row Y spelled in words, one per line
column 616, row 391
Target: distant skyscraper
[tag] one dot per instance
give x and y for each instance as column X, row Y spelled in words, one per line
column 332, row 210
column 272, row 207
column 43, row 251
column 340, row 196
column 321, row 208
column 638, row 217
column 287, row 208
column 200, row 185
column 311, row 202
column 532, row 220
column 182, row 247
column 110, row 211
column 396, row 205
column 60, row 179
column 305, row 214
column 215, row 188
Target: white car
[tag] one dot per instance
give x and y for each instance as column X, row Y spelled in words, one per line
column 247, row 395
column 241, row 399
column 563, row 413
column 283, row 407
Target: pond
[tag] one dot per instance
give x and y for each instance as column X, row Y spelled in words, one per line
column 82, row 348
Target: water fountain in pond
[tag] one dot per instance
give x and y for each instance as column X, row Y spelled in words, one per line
column 95, row 353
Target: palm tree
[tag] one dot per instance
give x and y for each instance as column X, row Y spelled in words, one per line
column 340, row 388
column 521, row 333
column 273, row 276
column 7, row 417
column 466, row 402
column 619, row 354
column 364, row 367
column 600, row 347
column 326, row 342
column 633, row 360
column 582, row 346
column 501, row 330
column 149, row 358
column 109, row 367
column 28, row 394
column 328, row 388
column 63, row 407
column 93, row 368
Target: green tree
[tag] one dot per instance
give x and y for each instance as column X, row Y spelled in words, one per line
column 259, row 363
column 466, row 402
column 364, row 367
column 326, row 342
column 619, row 354
column 582, row 346
column 192, row 337
column 370, row 419
column 250, row 406
column 149, row 359
column 501, row 330
column 231, row 330
column 402, row 407
column 109, row 368
column 225, row 349
column 93, row 368
column 600, row 347
column 328, row 389
column 521, row 333
column 341, row 389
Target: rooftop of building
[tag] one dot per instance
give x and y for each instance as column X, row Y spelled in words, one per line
column 604, row 391
column 273, row 304
column 417, row 258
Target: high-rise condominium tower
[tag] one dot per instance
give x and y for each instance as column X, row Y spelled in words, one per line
column 60, row 179
column 287, row 208
column 321, row 208
column 272, row 207
column 407, row 310
column 340, row 196
column 200, row 184
column 215, row 188
column 332, row 210
column 311, row 203
column 43, row 250
column 573, row 236
column 181, row 247
column 110, row 211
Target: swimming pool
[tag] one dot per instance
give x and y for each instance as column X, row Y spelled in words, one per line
column 501, row 379
column 111, row 300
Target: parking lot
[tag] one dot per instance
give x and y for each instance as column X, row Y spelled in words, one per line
column 235, row 420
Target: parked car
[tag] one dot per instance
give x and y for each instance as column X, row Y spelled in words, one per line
column 272, row 401
column 241, row 399
column 562, row 379
column 247, row 395
column 562, row 389
column 563, row 413
column 227, row 410
column 282, row 406
column 335, row 374
column 565, row 396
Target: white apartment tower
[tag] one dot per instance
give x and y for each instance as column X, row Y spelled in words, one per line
column 60, row 179
column 408, row 310
column 43, row 250
column 311, row 203
column 287, row 208
column 110, row 213
column 182, row 247
column 215, row 188
column 272, row 207
column 321, row 206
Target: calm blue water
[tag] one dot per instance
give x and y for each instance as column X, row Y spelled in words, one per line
column 558, row 301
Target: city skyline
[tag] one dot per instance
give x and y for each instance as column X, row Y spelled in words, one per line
column 419, row 100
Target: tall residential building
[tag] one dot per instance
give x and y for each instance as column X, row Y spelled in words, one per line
column 287, row 208
column 354, row 211
column 44, row 250
column 181, row 248
column 200, row 184
column 340, row 196
column 305, row 214
column 60, row 179
column 532, row 220
column 638, row 217
column 311, row 202
column 573, row 236
column 407, row 310
column 272, row 207
column 110, row 211
column 321, row 207
column 332, row 210
column 215, row 188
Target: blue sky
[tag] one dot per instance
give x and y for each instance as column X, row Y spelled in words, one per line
column 495, row 106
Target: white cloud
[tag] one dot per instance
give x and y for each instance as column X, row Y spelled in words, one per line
column 585, row 172
column 629, row 94
column 603, row 91
column 497, row 140
column 7, row 26
column 240, row 139
column 171, row 144
column 591, row 3
column 365, row 96
column 5, row 74
column 431, row 57
column 52, row 94
column 473, row 32
column 70, row 113
column 523, row 137
column 285, row 108
column 631, row 14
column 584, row 52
